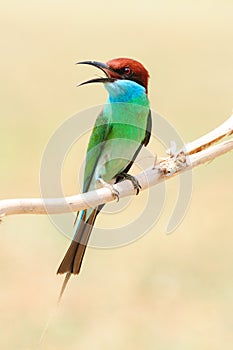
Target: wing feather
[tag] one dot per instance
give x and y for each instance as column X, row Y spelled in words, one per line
column 96, row 143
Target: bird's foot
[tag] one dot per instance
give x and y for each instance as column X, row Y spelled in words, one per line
column 114, row 191
column 135, row 182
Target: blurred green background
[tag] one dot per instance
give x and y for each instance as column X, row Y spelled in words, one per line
column 162, row 292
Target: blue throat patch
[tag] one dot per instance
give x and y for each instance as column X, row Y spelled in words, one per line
column 125, row 91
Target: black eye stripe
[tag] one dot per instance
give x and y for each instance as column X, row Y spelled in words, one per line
column 126, row 71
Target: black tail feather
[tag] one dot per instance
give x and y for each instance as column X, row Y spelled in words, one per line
column 73, row 258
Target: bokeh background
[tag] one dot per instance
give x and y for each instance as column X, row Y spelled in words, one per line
column 161, row 292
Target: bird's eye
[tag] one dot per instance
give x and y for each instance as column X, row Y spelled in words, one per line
column 127, row 71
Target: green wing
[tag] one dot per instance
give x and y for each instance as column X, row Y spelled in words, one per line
column 96, row 143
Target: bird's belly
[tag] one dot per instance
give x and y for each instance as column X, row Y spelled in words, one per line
column 125, row 137
column 116, row 155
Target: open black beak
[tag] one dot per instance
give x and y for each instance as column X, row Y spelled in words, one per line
column 102, row 66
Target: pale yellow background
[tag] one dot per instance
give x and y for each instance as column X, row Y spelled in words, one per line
column 162, row 292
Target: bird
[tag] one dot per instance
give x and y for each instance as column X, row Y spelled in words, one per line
column 121, row 129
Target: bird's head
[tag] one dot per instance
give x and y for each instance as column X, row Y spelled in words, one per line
column 120, row 69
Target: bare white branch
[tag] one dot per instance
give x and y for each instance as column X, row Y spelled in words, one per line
column 194, row 153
